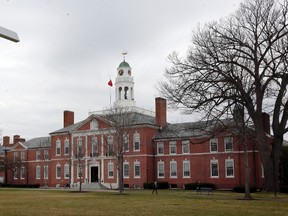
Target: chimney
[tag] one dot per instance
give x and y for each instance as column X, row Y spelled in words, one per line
column 161, row 115
column 17, row 139
column 266, row 122
column 68, row 118
column 6, row 141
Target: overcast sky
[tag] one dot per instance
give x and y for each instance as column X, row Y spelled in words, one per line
column 69, row 49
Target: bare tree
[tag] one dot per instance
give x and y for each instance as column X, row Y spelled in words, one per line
column 120, row 122
column 243, row 59
column 79, row 156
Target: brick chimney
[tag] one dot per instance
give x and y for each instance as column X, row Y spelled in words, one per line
column 161, row 111
column 17, row 139
column 68, row 118
column 6, row 141
column 266, row 122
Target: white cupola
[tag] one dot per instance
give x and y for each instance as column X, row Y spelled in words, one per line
column 124, row 86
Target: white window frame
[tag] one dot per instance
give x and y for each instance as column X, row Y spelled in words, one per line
column 66, row 147
column 38, row 172
column 227, row 141
column 58, row 147
column 160, row 145
column 110, row 170
column 212, row 163
column 15, row 156
column 110, row 146
column 229, row 164
column 136, row 165
column 160, row 169
column 66, row 171
column 15, row 174
column 46, row 171
column 126, row 142
column 186, row 169
column 46, row 154
column 58, row 172
column 22, row 156
column 22, row 172
column 185, row 147
column 126, row 171
column 172, row 148
column 212, row 142
column 38, row 155
column 94, row 147
column 136, row 141
column 173, row 172
column 80, row 149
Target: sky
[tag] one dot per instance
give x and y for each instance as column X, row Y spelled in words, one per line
column 70, row 49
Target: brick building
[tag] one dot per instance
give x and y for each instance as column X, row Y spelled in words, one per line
column 156, row 150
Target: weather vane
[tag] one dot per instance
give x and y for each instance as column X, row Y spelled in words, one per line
column 124, row 53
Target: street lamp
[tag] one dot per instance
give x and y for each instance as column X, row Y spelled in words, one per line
column 9, row 35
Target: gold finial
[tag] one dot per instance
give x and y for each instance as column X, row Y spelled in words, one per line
column 124, row 53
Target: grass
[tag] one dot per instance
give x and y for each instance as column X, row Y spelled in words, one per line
column 137, row 202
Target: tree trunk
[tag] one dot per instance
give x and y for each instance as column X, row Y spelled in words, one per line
column 247, row 175
column 120, row 174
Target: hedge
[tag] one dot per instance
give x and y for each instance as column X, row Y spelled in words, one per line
column 20, row 185
column 195, row 185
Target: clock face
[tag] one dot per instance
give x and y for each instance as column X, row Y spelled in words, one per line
column 120, row 72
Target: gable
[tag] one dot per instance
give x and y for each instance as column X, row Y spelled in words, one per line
column 18, row 147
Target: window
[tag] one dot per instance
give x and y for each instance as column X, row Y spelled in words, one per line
column 173, row 169
column 214, row 168
column 38, row 172
column 66, row 147
column 80, row 152
column 58, row 171
column 172, row 147
column 79, row 171
column 66, row 171
column 185, row 146
column 229, row 168
column 161, row 169
column 94, row 124
column 160, row 148
column 15, row 156
column 94, row 147
column 22, row 156
column 38, row 155
column 58, row 147
column 46, row 154
column 136, row 142
column 136, row 169
column 126, row 170
column 46, row 172
column 22, row 173
column 126, row 142
column 214, row 145
column 110, row 146
column 110, row 170
column 228, row 142
column 186, row 169
column 15, row 174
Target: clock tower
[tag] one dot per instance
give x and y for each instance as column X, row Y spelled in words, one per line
column 124, row 85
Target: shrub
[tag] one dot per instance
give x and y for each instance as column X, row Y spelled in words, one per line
column 241, row 189
column 195, row 185
column 284, row 188
column 160, row 185
column 21, row 185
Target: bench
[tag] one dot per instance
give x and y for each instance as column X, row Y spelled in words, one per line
column 209, row 190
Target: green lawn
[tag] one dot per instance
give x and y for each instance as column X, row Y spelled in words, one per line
column 137, row 202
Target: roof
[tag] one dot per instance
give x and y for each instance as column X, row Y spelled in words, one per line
column 139, row 120
column 124, row 64
column 193, row 129
column 39, row 142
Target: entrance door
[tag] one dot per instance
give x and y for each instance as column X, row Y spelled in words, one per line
column 94, row 174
